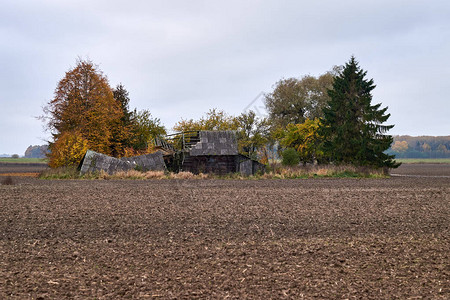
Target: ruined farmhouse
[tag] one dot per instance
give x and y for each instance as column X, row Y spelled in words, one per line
column 195, row 151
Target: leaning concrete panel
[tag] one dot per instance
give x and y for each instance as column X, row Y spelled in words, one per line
column 148, row 162
column 96, row 162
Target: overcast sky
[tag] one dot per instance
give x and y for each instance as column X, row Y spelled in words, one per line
column 180, row 58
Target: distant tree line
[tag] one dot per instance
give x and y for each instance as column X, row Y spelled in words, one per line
column 325, row 119
column 36, row 151
column 405, row 146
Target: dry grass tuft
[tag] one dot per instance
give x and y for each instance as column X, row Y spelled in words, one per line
column 182, row 175
column 130, row 174
column 103, row 175
column 203, row 176
column 322, row 172
column 154, row 175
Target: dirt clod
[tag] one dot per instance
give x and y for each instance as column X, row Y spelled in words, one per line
column 7, row 181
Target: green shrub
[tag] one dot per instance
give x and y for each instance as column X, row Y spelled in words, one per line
column 290, row 157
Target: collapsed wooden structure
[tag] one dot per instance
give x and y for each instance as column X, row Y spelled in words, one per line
column 209, row 152
column 194, row 151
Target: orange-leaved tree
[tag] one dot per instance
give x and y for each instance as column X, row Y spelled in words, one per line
column 84, row 105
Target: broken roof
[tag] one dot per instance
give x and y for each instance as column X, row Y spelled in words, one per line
column 215, row 143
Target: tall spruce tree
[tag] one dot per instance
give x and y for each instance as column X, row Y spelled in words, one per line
column 123, row 134
column 122, row 96
column 352, row 126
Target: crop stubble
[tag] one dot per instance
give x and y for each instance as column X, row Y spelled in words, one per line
column 319, row 238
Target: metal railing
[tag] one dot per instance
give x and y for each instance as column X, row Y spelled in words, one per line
column 183, row 140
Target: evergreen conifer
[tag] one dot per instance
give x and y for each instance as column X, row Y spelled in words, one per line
column 352, row 126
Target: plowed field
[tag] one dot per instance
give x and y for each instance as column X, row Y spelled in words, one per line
column 172, row 239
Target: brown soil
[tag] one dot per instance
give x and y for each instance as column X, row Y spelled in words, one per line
column 22, row 168
column 423, row 170
column 315, row 238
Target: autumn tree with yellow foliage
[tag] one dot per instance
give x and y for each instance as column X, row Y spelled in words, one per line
column 305, row 139
column 215, row 119
column 84, row 114
column 400, row 146
column 68, row 149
